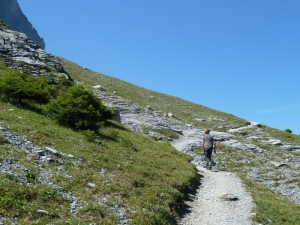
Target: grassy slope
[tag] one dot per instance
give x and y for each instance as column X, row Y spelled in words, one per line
column 274, row 209
column 143, row 176
column 271, row 208
column 184, row 110
column 146, row 178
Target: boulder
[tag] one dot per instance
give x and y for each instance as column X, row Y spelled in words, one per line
column 278, row 164
column 272, row 142
column 99, row 87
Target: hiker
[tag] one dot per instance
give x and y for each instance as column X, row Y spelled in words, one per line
column 208, row 145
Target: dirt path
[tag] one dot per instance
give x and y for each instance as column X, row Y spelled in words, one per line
column 221, row 198
column 209, row 206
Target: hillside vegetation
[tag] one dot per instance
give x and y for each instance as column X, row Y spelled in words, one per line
column 249, row 165
column 110, row 174
column 107, row 177
column 183, row 110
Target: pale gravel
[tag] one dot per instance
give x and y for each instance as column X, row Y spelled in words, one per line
column 208, row 208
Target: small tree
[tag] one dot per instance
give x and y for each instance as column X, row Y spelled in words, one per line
column 288, row 130
column 79, row 109
column 18, row 87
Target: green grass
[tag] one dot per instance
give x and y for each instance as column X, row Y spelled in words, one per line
column 271, row 208
column 146, row 177
column 22, row 201
column 282, row 135
column 162, row 133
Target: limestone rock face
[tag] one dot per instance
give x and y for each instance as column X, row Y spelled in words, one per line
column 12, row 15
column 19, row 52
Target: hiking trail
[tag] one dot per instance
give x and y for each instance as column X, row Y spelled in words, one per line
column 221, row 197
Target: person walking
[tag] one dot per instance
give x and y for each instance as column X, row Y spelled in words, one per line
column 208, row 145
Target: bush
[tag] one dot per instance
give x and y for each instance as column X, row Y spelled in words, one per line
column 79, row 109
column 288, row 130
column 18, row 87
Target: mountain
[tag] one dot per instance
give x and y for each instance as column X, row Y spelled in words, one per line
column 11, row 14
column 19, row 52
column 139, row 167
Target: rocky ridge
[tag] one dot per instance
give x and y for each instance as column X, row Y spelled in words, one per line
column 11, row 14
column 19, row 52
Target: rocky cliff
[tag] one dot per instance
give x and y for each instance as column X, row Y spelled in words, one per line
column 12, row 15
column 19, row 52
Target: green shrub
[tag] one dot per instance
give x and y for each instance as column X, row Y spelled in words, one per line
column 18, row 87
column 288, row 130
column 78, row 108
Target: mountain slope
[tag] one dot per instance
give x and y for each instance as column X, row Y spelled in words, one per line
column 130, row 172
column 255, row 151
column 186, row 111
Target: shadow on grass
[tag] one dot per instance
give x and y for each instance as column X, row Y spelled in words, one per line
column 29, row 106
column 184, row 206
column 111, row 124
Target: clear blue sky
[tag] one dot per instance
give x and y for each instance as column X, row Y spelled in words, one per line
column 238, row 57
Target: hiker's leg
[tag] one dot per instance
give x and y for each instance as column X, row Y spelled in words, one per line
column 206, row 158
column 209, row 156
column 208, row 153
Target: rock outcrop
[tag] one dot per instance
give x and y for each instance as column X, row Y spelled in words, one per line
column 19, row 52
column 12, row 15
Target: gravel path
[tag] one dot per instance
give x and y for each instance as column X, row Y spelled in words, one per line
column 221, row 199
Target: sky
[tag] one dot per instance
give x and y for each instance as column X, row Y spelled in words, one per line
column 238, row 57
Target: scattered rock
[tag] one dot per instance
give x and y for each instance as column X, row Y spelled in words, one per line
column 272, row 142
column 277, row 164
column 148, row 107
column 42, row 211
column 229, row 197
column 170, row 115
column 91, row 185
column 99, row 87
column 52, row 151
